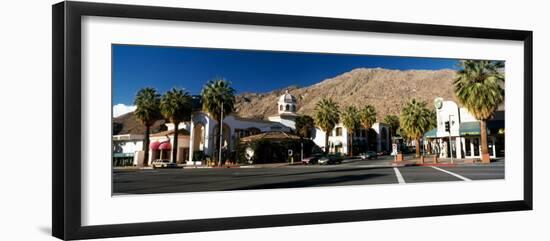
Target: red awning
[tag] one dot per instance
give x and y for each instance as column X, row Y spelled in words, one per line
column 154, row 145
column 165, row 146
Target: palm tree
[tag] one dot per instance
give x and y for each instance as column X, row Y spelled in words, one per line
column 415, row 120
column 367, row 115
column 393, row 122
column 326, row 117
column 175, row 106
column 478, row 87
column 147, row 102
column 350, row 119
column 218, row 99
column 304, row 125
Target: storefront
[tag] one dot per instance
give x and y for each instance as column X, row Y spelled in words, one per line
column 125, row 148
column 463, row 139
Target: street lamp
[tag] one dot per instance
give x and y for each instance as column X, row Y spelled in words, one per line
column 221, row 135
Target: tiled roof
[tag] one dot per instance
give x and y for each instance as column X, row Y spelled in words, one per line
column 171, row 132
column 272, row 135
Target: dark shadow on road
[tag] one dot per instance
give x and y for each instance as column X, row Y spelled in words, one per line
column 334, row 170
column 312, row 182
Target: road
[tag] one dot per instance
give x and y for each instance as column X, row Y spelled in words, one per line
column 351, row 172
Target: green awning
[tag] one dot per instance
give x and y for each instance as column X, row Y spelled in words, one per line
column 470, row 128
column 431, row 133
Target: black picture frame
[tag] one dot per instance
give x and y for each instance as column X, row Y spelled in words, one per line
column 66, row 127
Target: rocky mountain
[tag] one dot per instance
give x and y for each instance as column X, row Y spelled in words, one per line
column 387, row 90
column 128, row 124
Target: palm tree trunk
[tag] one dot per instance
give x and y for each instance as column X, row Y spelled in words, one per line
column 175, row 146
column 417, row 140
column 146, row 147
column 485, row 157
column 326, row 143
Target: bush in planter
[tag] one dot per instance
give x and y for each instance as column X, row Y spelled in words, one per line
column 241, row 153
column 199, row 156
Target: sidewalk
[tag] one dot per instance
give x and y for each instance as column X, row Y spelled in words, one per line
column 269, row 165
column 429, row 161
column 409, row 161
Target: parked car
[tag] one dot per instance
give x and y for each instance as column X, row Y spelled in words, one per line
column 330, row 159
column 368, row 155
column 313, row 159
column 163, row 163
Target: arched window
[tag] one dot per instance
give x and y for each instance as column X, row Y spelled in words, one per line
column 293, row 108
column 287, row 107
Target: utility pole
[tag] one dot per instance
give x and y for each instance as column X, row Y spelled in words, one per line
column 221, row 135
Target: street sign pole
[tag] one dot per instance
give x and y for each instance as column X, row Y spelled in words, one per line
column 450, row 141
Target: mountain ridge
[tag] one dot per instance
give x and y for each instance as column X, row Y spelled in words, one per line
column 386, row 89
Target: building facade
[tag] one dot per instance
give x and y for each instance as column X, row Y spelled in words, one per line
column 201, row 134
column 126, row 148
column 463, row 140
column 376, row 139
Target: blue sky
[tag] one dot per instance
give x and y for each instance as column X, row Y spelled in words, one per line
column 136, row 67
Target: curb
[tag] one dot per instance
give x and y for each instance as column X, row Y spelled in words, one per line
column 205, row 167
column 436, row 165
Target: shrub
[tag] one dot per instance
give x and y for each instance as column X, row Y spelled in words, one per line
column 266, row 151
column 199, row 156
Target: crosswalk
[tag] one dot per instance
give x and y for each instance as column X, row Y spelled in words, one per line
column 451, row 173
column 400, row 178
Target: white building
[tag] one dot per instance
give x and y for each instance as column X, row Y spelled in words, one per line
column 464, row 132
column 201, row 133
column 125, row 149
column 340, row 138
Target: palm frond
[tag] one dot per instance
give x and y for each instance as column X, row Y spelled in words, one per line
column 478, row 86
column 327, row 114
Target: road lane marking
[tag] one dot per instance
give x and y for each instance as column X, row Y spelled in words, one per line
column 451, row 173
column 399, row 176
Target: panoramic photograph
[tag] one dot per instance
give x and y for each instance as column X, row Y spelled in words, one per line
column 204, row 119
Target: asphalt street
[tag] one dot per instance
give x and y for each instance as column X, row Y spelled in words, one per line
column 351, row 172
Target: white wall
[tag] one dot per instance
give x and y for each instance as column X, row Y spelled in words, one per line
column 26, row 55
column 131, row 146
column 449, row 111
